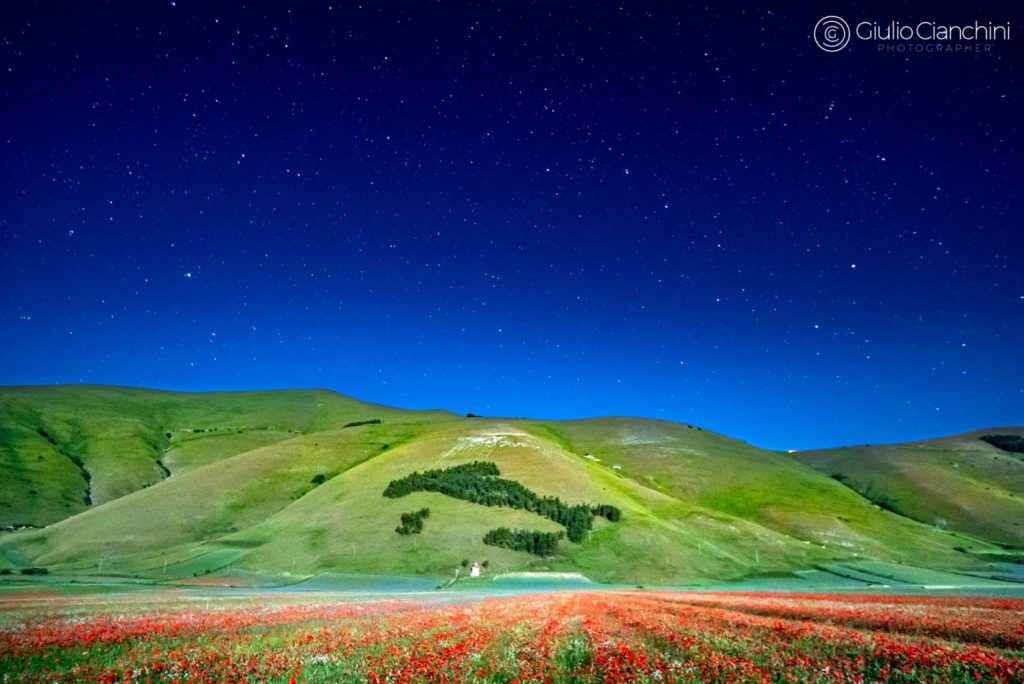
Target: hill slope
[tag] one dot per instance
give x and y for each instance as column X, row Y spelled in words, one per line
column 960, row 483
column 274, row 484
column 68, row 448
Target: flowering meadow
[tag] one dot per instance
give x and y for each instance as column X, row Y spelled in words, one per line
column 641, row 636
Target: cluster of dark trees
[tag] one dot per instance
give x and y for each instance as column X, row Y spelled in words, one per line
column 607, row 511
column 1010, row 443
column 357, row 423
column 412, row 523
column 46, row 435
column 531, row 541
column 479, row 483
column 455, row 479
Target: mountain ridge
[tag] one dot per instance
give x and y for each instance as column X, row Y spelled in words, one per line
column 289, row 482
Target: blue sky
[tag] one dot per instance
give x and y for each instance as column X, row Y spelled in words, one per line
column 634, row 209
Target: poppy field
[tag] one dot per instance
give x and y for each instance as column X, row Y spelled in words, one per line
column 640, row 636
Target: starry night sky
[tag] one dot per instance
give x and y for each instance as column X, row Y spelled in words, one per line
column 531, row 210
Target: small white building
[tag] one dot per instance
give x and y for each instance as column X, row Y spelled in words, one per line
column 475, row 570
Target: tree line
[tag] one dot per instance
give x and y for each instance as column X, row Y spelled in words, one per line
column 1010, row 443
column 478, row 482
column 357, row 423
column 531, row 541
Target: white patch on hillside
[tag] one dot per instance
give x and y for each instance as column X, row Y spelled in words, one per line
column 481, row 444
column 646, row 435
column 656, row 442
column 834, row 538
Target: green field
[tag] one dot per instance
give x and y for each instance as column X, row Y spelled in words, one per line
column 263, row 488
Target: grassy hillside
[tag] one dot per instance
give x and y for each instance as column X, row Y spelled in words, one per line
column 282, row 484
column 767, row 488
column 66, row 449
column 959, row 483
column 348, row 524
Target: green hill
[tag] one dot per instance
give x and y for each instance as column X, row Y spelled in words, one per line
column 959, row 483
column 262, row 486
column 66, row 449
